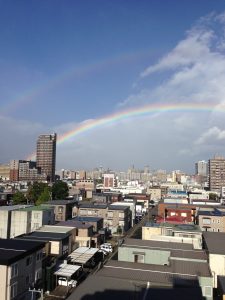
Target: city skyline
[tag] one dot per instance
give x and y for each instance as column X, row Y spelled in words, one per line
column 69, row 66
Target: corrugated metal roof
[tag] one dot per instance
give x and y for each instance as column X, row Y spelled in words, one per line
column 82, row 254
column 66, row 270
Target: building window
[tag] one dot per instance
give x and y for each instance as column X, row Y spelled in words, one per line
column 139, row 258
column 28, row 280
column 14, row 270
column 206, row 221
column 207, row 291
column 39, row 256
column 60, row 209
column 38, row 274
column 28, row 260
column 36, row 215
column 121, row 215
column 218, row 221
column 110, row 214
column 13, row 290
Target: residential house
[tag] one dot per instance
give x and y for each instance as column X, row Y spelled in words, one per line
column 20, row 268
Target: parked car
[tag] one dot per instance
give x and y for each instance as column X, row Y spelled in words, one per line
column 106, row 247
column 63, row 281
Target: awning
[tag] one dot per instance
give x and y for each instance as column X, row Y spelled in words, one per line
column 82, row 255
column 66, row 270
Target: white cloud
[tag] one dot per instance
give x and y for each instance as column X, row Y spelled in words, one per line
column 211, row 136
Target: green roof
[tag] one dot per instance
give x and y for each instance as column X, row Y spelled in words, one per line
column 36, row 208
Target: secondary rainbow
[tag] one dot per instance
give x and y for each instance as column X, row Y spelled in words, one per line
column 137, row 112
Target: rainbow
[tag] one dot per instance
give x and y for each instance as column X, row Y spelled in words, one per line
column 136, row 112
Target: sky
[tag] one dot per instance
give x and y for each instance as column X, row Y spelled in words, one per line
column 66, row 63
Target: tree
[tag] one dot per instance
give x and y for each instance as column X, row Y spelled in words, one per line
column 45, row 196
column 19, row 198
column 35, row 191
column 213, row 196
column 60, row 190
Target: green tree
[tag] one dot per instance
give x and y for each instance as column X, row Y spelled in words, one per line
column 19, row 198
column 60, row 190
column 213, row 196
column 45, row 196
column 35, row 190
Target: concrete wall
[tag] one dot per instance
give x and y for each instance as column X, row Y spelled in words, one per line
column 154, row 257
column 206, row 284
column 5, row 221
column 3, row 283
column 149, row 232
column 217, row 266
column 20, row 223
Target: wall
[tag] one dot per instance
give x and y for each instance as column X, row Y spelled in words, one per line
column 3, row 283
column 217, row 266
column 154, row 257
column 4, row 224
column 20, row 223
column 148, row 232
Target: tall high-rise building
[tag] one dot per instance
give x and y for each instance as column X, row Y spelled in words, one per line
column 216, row 173
column 46, row 155
column 201, row 168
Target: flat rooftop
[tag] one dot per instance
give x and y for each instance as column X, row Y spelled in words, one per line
column 214, row 242
column 12, row 250
column 98, row 287
column 45, row 236
column 75, row 224
column 175, row 227
column 87, row 219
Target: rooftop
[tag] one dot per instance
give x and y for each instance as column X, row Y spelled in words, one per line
column 92, row 205
column 87, row 219
column 36, row 208
column 12, row 250
column 75, row 224
column 175, row 227
column 14, row 207
column 45, row 236
column 118, row 207
column 98, row 287
column 214, row 242
column 60, row 202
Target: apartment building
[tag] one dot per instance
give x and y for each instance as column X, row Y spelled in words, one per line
column 63, row 209
column 116, row 218
column 20, row 268
column 46, row 155
column 216, row 173
column 212, row 219
column 184, row 233
column 28, row 219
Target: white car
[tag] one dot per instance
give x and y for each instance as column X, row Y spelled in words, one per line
column 106, row 247
column 63, row 281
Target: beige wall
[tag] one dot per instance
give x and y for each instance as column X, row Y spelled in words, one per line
column 155, row 194
column 217, row 266
column 4, row 223
column 217, row 224
column 148, row 232
column 3, row 283
column 20, row 223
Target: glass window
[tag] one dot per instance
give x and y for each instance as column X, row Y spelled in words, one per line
column 13, row 290
column 14, row 270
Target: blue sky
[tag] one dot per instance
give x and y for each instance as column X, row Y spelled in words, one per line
column 64, row 62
